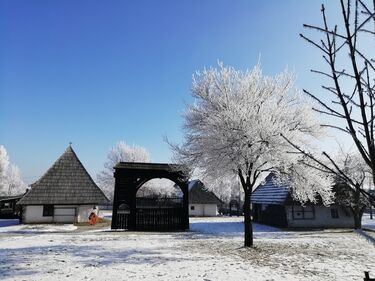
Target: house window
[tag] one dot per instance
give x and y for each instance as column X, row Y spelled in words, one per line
column 303, row 213
column 47, row 210
column 334, row 213
column 192, row 208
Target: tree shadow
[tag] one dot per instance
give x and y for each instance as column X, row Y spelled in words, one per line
column 18, row 262
column 233, row 228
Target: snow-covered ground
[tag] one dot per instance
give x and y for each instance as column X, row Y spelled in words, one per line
column 212, row 250
column 37, row 228
column 368, row 223
column 7, row 222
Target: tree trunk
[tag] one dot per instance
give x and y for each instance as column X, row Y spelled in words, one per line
column 247, row 186
column 357, row 210
column 248, row 220
column 357, row 218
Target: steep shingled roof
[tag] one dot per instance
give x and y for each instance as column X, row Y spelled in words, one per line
column 66, row 182
column 198, row 194
column 271, row 193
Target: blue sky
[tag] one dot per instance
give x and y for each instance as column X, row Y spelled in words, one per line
column 94, row 72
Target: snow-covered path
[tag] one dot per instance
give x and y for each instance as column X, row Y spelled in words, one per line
column 211, row 251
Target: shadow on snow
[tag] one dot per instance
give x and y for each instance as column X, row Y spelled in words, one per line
column 17, row 262
column 223, row 228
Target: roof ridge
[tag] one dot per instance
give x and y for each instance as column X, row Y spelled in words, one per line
column 68, row 149
column 79, row 161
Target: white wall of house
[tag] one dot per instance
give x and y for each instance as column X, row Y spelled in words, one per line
column 34, row 214
column 203, row 210
column 62, row 214
column 322, row 218
column 65, row 213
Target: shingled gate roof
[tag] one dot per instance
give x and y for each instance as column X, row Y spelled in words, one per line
column 271, row 193
column 66, row 182
column 198, row 194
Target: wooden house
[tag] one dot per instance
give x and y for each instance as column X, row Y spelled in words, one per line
column 64, row 194
column 202, row 203
column 8, row 207
column 273, row 204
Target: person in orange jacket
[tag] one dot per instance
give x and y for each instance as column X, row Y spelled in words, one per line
column 93, row 217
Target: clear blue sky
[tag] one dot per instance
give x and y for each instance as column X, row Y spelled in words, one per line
column 96, row 72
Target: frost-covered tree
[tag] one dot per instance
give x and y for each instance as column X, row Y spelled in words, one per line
column 229, row 188
column 121, row 152
column 4, row 165
column 348, row 76
column 351, row 175
column 10, row 177
column 349, row 172
column 233, row 131
column 15, row 183
column 159, row 188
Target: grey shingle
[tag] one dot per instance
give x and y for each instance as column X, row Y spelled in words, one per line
column 198, row 194
column 270, row 193
column 66, row 182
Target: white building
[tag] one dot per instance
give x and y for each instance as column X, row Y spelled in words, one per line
column 274, row 205
column 202, row 203
column 64, row 194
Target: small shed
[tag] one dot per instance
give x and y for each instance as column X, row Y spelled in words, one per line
column 273, row 204
column 202, row 202
column 8, row 207
column 66, row 193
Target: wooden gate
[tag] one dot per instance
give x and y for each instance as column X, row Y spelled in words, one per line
column 150, row 214
column 163, row 219
column 123, row 221
column 153, row 214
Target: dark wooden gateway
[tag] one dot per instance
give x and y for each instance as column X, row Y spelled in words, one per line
column 149, row 214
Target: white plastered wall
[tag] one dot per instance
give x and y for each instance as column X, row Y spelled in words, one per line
column 203, row 210
column 34, row 214
column 322, row 218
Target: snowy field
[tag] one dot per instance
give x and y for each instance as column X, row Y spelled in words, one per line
column 212, row 250
column 368, row 223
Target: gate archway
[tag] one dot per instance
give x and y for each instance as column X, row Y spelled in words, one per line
column 168, row 215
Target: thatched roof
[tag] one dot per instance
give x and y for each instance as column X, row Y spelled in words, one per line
column 66, row 182
column 198, row 194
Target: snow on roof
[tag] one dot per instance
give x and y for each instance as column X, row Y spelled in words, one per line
column 191, row 184
column 270, row 193
column 198, row 194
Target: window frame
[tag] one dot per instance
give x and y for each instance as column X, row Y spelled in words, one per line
column 192, row 208
column 304, row 212
column 48, row 210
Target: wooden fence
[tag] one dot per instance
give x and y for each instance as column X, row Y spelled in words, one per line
column 163, row 219
column 153, row 219
column 122, row 220
column 165, row 202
